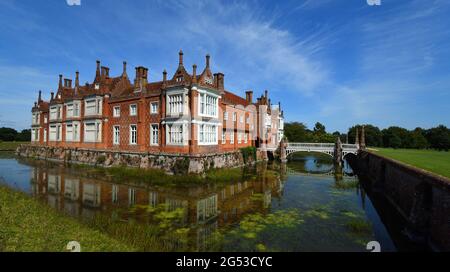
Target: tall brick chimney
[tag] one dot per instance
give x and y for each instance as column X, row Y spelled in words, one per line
column 249, row 96
column 180, row 58
column 194, row 73
column 67, row 83
column 141, row 77
column 105, row 71
column 219, row 81
column 60, row 81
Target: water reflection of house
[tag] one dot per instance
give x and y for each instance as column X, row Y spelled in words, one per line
column 206, row 208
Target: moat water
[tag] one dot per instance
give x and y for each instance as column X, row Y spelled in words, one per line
column 304, row 205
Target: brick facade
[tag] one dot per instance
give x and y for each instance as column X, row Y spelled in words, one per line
column 188, row 114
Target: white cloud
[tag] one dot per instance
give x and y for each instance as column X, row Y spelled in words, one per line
column 73, row 2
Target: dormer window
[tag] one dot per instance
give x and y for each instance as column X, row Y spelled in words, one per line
column 179, row 79
column 97, row 86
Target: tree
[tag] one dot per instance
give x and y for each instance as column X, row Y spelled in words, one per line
column 393, row 135
column 439, row 137
column 418, row 139
column 373, row 135
column 296, row 132
column 319, row 129
column 24, row 135
column 8, row 134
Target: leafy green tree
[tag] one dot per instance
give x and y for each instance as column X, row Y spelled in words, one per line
column 439, row 137
column 7, row 134
column 373, row 135
column 393, row 134
column 297, row 132
column 24, row 135
column 418, row 139
column 395, row 141
column 319, row 129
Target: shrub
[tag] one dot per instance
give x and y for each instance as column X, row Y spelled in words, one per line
column 248, row 152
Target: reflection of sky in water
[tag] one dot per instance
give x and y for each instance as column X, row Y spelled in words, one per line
column 15, row 175
column 325, row 211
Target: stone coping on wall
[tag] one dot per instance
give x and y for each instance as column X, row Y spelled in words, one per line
column 126, row 152
column 434, row 178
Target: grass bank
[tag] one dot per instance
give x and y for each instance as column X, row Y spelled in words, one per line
column 431, row 160
column 27, row 225
column 10, row 146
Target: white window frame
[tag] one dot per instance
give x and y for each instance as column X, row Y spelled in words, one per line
column 232, row 137
column 116, row 111
column 207, row 133
column 97, row 131
column 133, row 140
column 135, row 112
column 152, row 136
column 208, row 104
column 175, row 103
column 225, row 115
column 153, row 108
column 234, row 116
column 174, row 136
column 116, row 135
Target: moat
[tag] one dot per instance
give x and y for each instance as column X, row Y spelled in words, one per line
column 304, row 205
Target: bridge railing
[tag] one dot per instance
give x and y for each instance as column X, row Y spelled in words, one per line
column 349, row 146
column 310, row 145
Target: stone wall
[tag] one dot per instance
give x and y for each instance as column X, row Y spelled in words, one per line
column 422, row 198
column 171, row 163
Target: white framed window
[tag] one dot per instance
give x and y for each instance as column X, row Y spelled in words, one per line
column 246, row 138
column 224, row 136
column 241, row 119
column 116, row 111
column 45, row 135
column 133, row 134
column 154, row 107
column 69, row 132
column 208, row 105
column 55, row 112
column 93, row 106
column 175, row 134
column 207, row 134
column 35, row 118
column 154, row 134
column 76, row 109
column 232, row 138
column 116, row 135
column 35, row 135
column 45, row 119
column 92, row 131
column 234, row 116
column 225, row 116
column 69, row 110
column 133, row 110
column 175, row 103
column 239, row 136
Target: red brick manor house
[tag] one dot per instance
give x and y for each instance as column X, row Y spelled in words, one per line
column 188, row 113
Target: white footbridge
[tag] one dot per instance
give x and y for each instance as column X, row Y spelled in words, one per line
column 326, row 148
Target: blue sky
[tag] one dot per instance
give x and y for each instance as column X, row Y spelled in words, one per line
column 340, row 62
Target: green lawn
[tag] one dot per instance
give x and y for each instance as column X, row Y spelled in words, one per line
column 434, row 161
column 10, row 146
column 27, row 225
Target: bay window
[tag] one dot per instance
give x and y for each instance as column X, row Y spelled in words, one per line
column 93, row 106
column 175, row 134
column 92, row 131
column 207, row 134
column 208, row 105
column 175, row 103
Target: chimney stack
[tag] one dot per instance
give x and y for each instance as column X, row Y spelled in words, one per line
column 141, row 76
column 40, row 96
column 249, row 96
column 194, row 73
column 219, row 81
column 52, row 95
column 180, row 58
column 97, row 72
column 60, row 81
column 77, row 79
column 105, row 71
column 266, row 94
column 67, row 83
column 124, row 73
column 207, row 61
